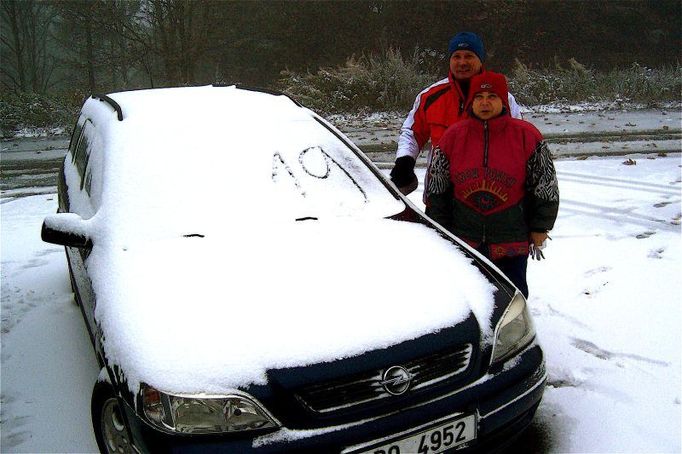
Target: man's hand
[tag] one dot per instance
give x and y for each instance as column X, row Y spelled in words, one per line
column 403, row 175
column 537, row 242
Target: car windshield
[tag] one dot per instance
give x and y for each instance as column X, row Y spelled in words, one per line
column 324, row 177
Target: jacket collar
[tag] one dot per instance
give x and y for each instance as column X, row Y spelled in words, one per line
column 455, row 86
column 494, row 124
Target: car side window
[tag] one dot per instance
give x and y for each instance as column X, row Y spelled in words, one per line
column 82, row 156
column 75, row 137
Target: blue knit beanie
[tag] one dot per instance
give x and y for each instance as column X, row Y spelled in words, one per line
column 467, row 41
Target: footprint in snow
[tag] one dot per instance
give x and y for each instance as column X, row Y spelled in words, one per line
column 593, row 290
column 49, row 251
column 34, row 263
column 567, row 317
column 601, row 269
column 11, row 440
column 656, row 254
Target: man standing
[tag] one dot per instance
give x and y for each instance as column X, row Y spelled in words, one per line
column 438, row 107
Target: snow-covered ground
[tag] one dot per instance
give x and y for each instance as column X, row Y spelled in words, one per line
column 585, row 120
column 606, row 303
column 571, row 131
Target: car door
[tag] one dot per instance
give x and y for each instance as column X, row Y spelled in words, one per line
column 75, row 197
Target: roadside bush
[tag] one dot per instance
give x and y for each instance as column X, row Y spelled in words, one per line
column 375, row 82
column 33, row 110
column 576, row 84
column 389, row 82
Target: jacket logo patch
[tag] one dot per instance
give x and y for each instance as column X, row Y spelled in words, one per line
column 485, row 196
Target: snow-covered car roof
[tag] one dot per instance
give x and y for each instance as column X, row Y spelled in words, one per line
column 236, row 232
column 212, row 149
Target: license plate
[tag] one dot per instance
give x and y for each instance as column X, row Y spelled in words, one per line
column 438, row 438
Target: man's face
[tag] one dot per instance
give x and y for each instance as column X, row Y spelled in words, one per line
column 486, row 105
column 465, row 64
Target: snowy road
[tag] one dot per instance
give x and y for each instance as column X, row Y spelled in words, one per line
column 606, row 304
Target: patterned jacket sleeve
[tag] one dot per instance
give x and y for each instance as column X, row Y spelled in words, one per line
column 542, row 189
column 439, row 189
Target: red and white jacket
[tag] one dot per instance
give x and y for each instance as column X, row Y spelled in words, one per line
column 435, row 109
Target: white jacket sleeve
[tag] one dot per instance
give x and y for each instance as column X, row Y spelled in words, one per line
column 514, row 108
column 407, row 142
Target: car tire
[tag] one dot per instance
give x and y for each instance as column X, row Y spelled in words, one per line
column 108, row 422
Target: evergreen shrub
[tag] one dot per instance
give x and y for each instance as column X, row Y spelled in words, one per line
column 34, row 110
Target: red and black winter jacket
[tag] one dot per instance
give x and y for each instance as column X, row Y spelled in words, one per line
column 493, row 182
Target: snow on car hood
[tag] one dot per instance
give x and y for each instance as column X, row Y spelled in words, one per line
column 213, row 313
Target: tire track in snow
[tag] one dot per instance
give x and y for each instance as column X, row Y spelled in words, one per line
column 618, row 215
column 598, row 352
column 654, row 188
column 622, row 215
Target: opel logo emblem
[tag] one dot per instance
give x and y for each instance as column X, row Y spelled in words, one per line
column 396, row 380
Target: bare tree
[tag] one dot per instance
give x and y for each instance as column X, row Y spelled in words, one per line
column 81, row 38
column 27, row 64
column 124, row 44
column 180, row 33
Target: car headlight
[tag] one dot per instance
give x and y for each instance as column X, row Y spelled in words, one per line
column 514, row 331
column 204, row 414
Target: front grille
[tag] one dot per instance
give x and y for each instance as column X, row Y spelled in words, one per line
column 363, row 388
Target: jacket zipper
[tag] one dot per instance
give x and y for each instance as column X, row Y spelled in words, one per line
column 485, row 144
column 485, row 161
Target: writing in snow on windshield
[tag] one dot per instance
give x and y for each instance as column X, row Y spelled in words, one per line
column 316, row 175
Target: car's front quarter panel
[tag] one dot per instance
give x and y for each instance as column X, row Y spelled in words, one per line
column 83, row 292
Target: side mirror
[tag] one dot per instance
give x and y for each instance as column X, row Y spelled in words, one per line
column 66, row 229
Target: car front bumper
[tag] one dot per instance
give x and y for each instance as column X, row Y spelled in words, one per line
column 504, row 404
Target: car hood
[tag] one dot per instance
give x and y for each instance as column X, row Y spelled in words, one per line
column 213, row 311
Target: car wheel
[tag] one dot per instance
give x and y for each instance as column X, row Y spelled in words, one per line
column 108, row 423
